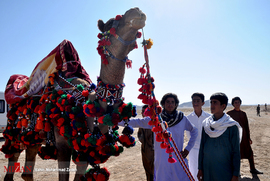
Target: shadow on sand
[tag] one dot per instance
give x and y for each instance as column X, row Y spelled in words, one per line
column 254, row 177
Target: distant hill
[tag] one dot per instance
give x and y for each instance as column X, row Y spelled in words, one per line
column 189, row 104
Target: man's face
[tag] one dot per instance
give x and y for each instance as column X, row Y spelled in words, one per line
column 236, row 104
column 216, row 106
column 143, row 110
column 170, row 105
column 197, row 103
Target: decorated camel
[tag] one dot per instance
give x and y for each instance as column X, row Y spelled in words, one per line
column 52, row 104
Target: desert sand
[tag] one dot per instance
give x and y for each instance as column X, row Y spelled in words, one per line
column 128, row 166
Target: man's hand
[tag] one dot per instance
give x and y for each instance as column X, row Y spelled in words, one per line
column 184, row 153
column 234, row 178
column 200, row 175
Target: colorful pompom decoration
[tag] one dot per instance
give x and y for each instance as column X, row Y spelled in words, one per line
column 96, row 174
column 48, row 152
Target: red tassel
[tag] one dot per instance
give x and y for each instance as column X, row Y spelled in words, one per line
column 155, row 129
column 100, row 35
column 47, row 127
column 142, row 70
column 62, row 130
column 39, row 124
column 101, row 177
column 24, row 122
column 171, row 160
column 19, row 124
column 151, row 123
column 118, row 17
column 136, row 45
column 169, row 149
column 75, row 145
column 141, row 96
column 85, row 93
column 166, row 135
column 139, row 34
column 100, row 119
column 129, row 63
column 159, row 109
column 150, row 102
column 158, row 137
column 25, row 111
column 113, row 31
column 163, row 145
column 145, row 100
column 140, row 81
column 60, row 122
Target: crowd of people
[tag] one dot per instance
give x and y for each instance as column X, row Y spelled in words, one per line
column 216, row 142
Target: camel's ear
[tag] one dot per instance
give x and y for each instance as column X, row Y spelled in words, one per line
column 101, row 25
column 108, row 24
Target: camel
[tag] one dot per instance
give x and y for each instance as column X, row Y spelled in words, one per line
column 114, row 47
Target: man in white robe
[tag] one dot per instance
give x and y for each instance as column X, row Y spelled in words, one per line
column 196, row 118
column 177, row 124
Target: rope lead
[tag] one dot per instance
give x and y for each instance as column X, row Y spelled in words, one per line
column 172, row 142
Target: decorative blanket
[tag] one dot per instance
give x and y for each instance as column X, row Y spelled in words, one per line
column 64, row 59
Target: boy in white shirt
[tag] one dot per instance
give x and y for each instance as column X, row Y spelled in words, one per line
column 196, row 118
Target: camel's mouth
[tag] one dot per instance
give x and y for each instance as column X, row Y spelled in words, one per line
column 135, row 18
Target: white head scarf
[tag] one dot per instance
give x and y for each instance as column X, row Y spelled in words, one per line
column 220, row 126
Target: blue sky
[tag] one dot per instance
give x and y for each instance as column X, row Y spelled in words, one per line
column 199, row 46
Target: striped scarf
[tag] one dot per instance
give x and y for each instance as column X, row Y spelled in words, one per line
column 172, row 119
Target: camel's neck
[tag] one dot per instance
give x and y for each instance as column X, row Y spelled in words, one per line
column 112, row 73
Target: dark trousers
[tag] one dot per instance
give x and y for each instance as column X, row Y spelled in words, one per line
column 148, row 164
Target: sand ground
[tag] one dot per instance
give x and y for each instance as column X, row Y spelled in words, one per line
column 128, row 166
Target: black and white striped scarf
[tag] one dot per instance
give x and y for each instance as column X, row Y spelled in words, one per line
column 172, row 119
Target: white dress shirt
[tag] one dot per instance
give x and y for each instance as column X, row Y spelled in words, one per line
column 194, row 152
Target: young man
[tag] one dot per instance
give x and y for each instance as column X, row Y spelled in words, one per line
column 196, row 118
column 219, row 155
column 245, row 149
column 147, row 149
column 177, row 124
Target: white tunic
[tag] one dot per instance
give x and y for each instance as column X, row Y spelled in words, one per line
column 194, row 152
column 165, row 171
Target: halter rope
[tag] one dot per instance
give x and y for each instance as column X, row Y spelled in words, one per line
column 105, row 41
column 170, row 139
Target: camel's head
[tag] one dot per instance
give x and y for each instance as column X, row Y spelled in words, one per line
column 117, row 39
column 132, row 19
column 126, row 27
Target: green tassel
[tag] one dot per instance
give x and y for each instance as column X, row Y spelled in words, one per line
column 107, row 120
column 60, row 100
column 96, row 104
column 92, row 140
column 64, row 96
column 80, row 87
column 76, row 110
column 70, row 142
column 67, row 130
column 121, row 149
column 88, row 102
column 113, row 150
column 79, row 124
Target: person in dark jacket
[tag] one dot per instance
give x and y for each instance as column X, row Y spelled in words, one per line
column 147, row 149
column 245, row 147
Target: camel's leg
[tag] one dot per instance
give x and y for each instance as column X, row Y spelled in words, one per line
column 80, row 171
column 63, row 155
column 11, row 167
column 30, row 160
